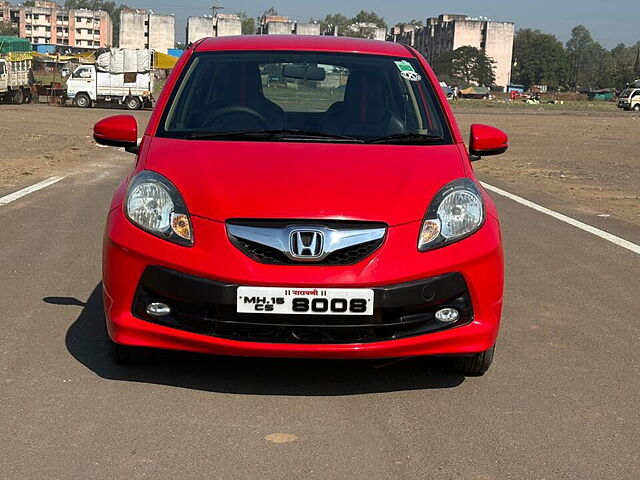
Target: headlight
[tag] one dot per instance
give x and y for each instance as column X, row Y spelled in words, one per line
column 456, row 212
column 154, row 204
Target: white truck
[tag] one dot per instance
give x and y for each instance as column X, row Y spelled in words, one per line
column 629, row 99
column 14, row 80
column 120, row 76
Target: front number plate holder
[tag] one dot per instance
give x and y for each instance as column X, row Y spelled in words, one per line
column 305, row 301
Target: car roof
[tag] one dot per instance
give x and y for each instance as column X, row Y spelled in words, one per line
column 313, row 43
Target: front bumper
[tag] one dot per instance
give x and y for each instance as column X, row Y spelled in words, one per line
column 200, row 284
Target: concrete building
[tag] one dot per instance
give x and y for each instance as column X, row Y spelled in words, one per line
column 134, row 28
column 276, row 25
column 307, row 28
column 10, row 14
column 281, row 25
column 162, row 32
column 48, row 23
column 199, row 27
column 141, row 28
column 222, row 25
column 369, row 30
column 226, row 25
column 449, row 32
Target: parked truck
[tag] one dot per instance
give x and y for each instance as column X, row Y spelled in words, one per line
column 120, row 76
column 15, row 70
column 629, row 99
column 14, row 80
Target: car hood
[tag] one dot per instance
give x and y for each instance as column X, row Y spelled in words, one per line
column 223, row 180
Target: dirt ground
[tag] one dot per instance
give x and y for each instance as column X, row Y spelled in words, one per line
column 584, row 162
column 39, row 141
column 588, row 162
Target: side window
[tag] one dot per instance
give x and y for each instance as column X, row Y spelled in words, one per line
column 130, row 77
column 82, row 73
column 2, row 69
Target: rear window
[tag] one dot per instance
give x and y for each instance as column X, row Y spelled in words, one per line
column 304, row 96
column 356, row 96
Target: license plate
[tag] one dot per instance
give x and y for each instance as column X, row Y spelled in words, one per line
column 305, row 301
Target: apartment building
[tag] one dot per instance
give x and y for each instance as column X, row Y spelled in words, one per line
column 281, row 25
column 449, row 32
column 10, row 14
column 141, row 28
column 220, row 25
column 48, row 23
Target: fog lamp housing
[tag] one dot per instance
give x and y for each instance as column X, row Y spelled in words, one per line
column 158, row 309
column 448, row 315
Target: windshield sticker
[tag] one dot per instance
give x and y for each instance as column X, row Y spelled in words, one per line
column 404, row 66
column 412, row 76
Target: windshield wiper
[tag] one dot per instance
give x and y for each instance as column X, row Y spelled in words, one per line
column 280, row 134
column 409, row 138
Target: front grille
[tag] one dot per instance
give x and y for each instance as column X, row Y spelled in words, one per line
column 266, row 254
column 262, row 253
column 346, row 256
column 207, row 308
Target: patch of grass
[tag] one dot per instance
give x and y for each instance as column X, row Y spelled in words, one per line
column 571, row 105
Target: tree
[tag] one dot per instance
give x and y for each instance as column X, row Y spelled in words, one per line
column 248, row 23
column 271, row 12
column 108, row 7
column 468, row 65
column 333, row 22
column 585, row 56
column 365, row 17
column 539, row 59
column 7, row 29
column 618, row 67
column 411, row 23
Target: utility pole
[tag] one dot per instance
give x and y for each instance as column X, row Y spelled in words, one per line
column 216, row 7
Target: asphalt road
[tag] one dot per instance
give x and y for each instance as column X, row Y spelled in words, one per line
column 561, row 400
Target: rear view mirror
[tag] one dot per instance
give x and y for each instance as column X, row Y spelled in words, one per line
column 117, row 131
column 303, row 72
column 486, row 140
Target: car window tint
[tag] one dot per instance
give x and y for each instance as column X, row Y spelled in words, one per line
column 358, row 96
column 296, row 95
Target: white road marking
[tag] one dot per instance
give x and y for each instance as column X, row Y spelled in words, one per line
column 563, row 218
column 26, row 191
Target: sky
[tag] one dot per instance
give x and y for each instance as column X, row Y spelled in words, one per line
column 610, row 23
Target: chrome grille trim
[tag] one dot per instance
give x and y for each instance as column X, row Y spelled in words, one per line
column 279, row 238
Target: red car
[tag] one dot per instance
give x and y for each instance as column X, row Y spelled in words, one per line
column 303, row 197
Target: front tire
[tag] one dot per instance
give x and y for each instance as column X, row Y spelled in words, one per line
column 133, row 103
column 83, row 101
column 125, row 355
column 636, row 107
column 474, row 365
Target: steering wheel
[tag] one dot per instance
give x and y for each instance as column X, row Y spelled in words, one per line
column 231, row 109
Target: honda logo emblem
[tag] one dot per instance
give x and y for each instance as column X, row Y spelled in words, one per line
column 306, row 244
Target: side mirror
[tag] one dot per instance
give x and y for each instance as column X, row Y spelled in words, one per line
column 486, row 140
column 117, row 131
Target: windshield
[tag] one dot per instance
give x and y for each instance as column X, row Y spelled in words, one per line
column 318, row 96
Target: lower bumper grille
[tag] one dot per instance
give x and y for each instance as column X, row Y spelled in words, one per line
column 209, row 308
